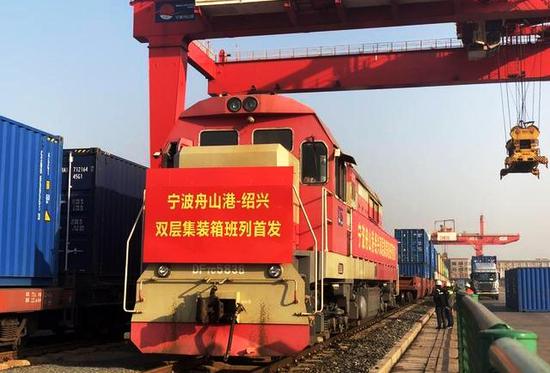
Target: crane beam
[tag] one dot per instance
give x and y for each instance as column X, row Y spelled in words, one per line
column 477, row 240
column 381, row 70
column 270, row 17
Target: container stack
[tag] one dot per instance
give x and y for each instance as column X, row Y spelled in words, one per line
column 528, row 289
column 415, row 253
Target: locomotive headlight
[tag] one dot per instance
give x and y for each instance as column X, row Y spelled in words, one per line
column 250, row 104
column 163, row 271
column 275, row 271
column 234, row 104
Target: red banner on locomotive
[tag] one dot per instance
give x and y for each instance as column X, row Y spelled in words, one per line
column 219, row 215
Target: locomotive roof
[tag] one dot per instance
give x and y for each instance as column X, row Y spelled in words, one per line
column 269, row 105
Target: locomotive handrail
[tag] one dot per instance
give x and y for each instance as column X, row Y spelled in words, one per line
column 315, row 249
column 126, row 260
column 324, row 237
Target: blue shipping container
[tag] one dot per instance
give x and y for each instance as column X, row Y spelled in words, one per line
column 415, row 269
column 413, row 246
column 30, row 187
column 528, row 289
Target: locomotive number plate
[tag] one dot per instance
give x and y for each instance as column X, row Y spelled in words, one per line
column 226, row 269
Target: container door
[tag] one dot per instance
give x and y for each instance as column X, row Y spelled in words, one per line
column 77, row 215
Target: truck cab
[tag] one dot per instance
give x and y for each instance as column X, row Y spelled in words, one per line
column 484, row 276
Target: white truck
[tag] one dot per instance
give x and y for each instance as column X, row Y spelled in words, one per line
column 485, row 277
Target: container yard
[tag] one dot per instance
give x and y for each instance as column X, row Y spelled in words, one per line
column 274, row 209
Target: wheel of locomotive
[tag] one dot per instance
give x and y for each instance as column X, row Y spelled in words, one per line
column 362, row 305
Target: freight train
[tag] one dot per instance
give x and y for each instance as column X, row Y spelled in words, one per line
column 420, row 265
column 64, row 218
column 260, row 236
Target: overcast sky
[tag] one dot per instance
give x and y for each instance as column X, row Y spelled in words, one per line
column 430, row 153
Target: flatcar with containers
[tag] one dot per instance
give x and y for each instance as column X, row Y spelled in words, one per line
column 101, row 195
column 64, row 217
column 260, row 236
column 417, row 258
column 30, row 193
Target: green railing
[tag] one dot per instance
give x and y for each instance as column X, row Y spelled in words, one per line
column 487, row 344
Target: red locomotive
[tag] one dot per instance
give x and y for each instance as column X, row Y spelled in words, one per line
column 260, row 236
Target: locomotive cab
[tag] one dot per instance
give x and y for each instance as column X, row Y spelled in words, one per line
column 523, row 150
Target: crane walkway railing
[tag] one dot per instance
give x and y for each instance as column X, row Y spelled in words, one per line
column 488, row 344
column 354, row 49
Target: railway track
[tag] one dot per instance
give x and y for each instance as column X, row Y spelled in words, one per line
column 35, row 349
column 209, row 365
column 308, row 359
column 305, row 361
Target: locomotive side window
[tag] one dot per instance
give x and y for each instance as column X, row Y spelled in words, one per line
column 314, row 162
column 210, row 138
column 340, row 178
column 374, row 211
column 282, row 136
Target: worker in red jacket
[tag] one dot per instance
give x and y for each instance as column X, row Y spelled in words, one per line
column 468, row 290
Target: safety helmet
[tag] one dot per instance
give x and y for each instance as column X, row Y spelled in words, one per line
column 468, row 285
column 438, row 283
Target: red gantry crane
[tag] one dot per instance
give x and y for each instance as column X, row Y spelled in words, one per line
column 497, row 41
column 445, row 234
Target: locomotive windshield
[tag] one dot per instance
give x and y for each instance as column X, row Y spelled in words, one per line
column 278, row 136
column 314, row 162
column 210, row 138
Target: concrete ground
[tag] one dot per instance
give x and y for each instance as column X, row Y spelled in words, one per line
column 432, row 351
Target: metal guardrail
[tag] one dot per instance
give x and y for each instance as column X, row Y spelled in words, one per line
column 509, row 356
column 344, row 50
column 487, row 344
column 354, row 49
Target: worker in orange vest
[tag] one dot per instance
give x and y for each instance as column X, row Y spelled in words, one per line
column 468, row 290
